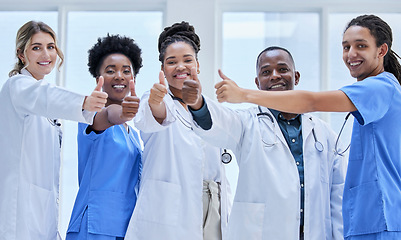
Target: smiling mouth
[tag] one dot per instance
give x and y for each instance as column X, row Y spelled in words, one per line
column 44, row 63
column 119, row 86
column 280, row 85
column 181, row 75
column 355, row 64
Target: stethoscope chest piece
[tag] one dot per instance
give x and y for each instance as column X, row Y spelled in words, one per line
column 319, row 146
column 226, row 157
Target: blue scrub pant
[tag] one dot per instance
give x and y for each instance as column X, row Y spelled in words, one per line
column 377, row 236
column 83, row 233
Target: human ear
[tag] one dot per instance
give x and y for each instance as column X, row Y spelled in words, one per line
column 297, row 77
column 383, row 49
column 20, row 55
column 257, row 82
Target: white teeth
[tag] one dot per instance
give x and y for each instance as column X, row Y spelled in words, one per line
column 181, row 75
column 354, row 63
column 276, row 86
column 119, row 86
column 44, row 63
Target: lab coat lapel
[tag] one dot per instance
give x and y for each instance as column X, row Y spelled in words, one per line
column 307, row 126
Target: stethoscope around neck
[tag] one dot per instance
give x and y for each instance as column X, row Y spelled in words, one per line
column 226, row 156
column 318, row 145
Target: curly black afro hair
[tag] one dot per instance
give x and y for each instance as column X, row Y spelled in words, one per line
column 178, row 32
column 114, row 44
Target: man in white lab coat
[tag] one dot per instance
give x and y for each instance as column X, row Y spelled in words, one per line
column 291, row 176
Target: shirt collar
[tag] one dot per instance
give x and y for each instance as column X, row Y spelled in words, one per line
column 279, row 116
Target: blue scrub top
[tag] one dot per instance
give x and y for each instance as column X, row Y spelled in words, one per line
column 109, row 167
column 372, row 192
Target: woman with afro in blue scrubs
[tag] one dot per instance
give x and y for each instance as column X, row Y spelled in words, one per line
column 372, row 192
column 109, row 151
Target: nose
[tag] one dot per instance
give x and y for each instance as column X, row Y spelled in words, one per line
column 119, row 75
column 275, row 74
column 46, row 53
column 352, row 52
column 180, row 66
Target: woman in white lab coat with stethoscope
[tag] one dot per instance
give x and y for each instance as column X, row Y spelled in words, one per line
column 30, row 139
column 177, row 162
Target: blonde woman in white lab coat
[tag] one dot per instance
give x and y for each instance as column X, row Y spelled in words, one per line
column 177, row 164
column 30, row 139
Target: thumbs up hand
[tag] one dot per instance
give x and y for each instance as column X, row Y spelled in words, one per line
column 158, row 91
column 97, row 100
column 155, row 101
column 130, row 104
column 192, row 91
column 228, row 91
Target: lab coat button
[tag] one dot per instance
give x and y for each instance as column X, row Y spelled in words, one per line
column 293, row 140
column 57, row 201
column 297, row 163
column 302, row 210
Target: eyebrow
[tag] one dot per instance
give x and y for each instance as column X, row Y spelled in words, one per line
column 51, row 43
column 186, row 55
column 357, row 40
column 124, row 66
column 280, row 64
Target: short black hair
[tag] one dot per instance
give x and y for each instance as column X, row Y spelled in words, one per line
column 114, row 44
column 272, row 48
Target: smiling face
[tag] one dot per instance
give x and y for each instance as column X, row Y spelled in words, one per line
column 360, row 53
column 276, row 71
column 40, row 55
column 179, row 58
column 117, row 71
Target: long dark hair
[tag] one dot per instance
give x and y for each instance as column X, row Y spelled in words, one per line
column 381, row 31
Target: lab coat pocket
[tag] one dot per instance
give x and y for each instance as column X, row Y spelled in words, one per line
column 42, row 217
column 246, row 221
column 159, row 202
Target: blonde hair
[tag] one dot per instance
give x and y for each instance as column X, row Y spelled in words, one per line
column 23, row 40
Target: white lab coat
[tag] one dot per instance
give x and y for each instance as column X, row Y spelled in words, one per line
column 169, row 204
column 267, row 200
column 30, row 155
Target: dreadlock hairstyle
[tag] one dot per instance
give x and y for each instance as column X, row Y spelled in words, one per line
column 381, row 31
column 114, row 44
column 178, row 32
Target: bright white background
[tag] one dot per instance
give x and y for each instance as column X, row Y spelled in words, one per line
column 233, row 32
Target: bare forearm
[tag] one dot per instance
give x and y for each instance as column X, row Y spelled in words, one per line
column 108, row 117
column 294, row 101
column 159, row 111
column 300, row 101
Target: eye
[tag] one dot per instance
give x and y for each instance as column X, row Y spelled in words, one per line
column 284, row 70
column 110, row 71
column 51, row 47
column 266, row 72
column 170, row 62
column 345, row 48
column 188, row 60
column 35, row 48
column 127, row 71
column 362, row 46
